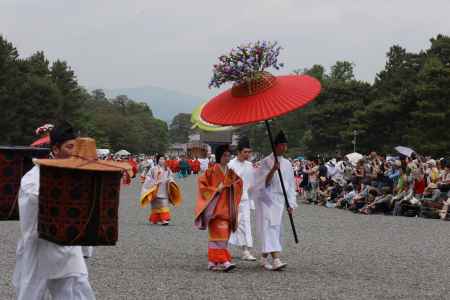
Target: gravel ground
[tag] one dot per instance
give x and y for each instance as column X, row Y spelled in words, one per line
column 340, row 256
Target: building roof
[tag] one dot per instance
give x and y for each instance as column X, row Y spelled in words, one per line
column 224, row 137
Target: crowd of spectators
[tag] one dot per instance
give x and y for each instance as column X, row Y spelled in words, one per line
column 400, row 186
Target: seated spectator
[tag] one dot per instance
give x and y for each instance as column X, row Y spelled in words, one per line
column 382, row 203
column 431, row 193
column 432, row 171
column 360, row 198
column 419, row 183
column 445, row 212
column 408, row 199
column 324, row 191
column 347, row 198
column 444, row 182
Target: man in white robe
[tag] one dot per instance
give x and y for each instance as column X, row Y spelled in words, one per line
column 270, row 202
column 44, row 268
column 242, row 237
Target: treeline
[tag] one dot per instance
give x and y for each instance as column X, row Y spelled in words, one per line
column 408, row 104
column 34, row 92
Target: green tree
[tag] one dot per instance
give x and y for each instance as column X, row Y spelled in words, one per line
column 72, row 95
column 180, row 128
column 342, row 71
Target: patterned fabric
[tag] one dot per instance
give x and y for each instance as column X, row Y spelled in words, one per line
column 218, row 252
column 160, row 211
column 217, row 211
column 78, row 207
column 14, row 163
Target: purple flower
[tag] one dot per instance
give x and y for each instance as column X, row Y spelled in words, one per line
column 244, row 61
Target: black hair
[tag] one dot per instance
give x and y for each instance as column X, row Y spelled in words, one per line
column 220, row 151
column 62, row 133
column 158, row 156
column 243, row 143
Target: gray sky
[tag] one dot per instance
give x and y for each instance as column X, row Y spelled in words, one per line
column 173, row 44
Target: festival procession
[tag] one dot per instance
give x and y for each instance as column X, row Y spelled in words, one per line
column 303, row 184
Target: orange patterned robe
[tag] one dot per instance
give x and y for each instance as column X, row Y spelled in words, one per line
column 218, row 211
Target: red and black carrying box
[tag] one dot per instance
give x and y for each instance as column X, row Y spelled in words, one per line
column 78, row 207
column 15, row 161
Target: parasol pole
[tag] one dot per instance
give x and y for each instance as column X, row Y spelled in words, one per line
column 291, row 219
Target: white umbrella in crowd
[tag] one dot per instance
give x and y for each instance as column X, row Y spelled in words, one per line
column 103, row 152
column 404, row 150
column 122, row 153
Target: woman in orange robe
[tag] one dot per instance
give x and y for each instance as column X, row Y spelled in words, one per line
column 219, row 194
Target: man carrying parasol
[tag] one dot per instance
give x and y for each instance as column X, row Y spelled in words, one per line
column 270, row 203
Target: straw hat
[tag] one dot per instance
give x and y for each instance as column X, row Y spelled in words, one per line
column 84, row 157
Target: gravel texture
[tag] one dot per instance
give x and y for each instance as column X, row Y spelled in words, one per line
column 340, row 256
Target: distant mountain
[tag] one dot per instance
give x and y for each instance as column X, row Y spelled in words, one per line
column 164, row 103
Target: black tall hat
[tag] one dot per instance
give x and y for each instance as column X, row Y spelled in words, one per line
column 220, row 151
column 62, row 133
column 243, row 143
column 280, row 138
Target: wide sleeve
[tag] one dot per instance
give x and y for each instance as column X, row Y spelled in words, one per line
column 290, row 186
column 28, row 207
column 206, row 187
column 266, row 165
column 238, row 185
column 150, row 181
column 259, row 191
column 28, row 200
column 251, row 185
column 251, row 177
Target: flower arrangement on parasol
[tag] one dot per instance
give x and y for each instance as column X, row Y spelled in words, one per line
column 257, row 95
column 246, row 63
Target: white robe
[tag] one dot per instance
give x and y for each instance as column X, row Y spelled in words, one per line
column 243, row 235
column 270, row 203
column 154, row 175
column 203, row 164
column 88, row 251
column 43, row 267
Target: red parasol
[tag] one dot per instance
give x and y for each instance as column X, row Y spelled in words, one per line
column 257, row 95
column 269, row 97
column 42, row 141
